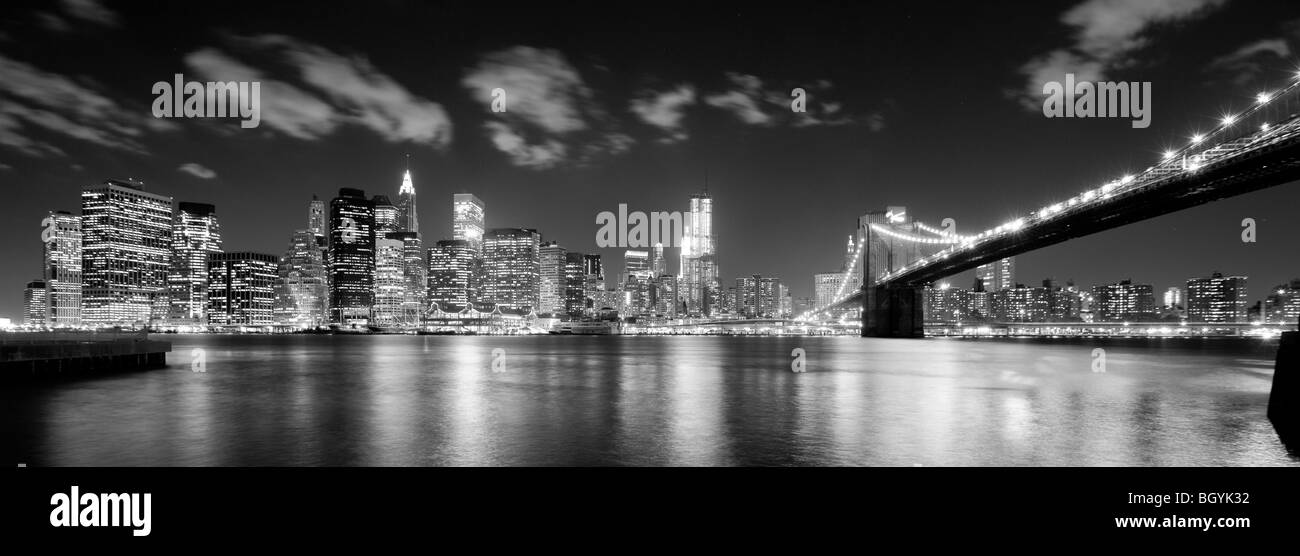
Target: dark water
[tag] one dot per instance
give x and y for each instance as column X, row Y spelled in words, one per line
column 436, row 400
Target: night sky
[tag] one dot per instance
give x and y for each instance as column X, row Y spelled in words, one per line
column 923, row 106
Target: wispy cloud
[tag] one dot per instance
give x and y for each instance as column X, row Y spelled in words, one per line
column 1107, row 33
column 38, row 104
column 753, row 102
column 197, row 170
column 548, row 106
column 52, row 22
column 665, row 110
column 90, row 10
column 1247, row 61
column 330, row 90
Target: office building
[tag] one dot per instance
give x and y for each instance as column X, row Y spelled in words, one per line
column 241, row 289
column 385, row 215
column 699, row 262
column 302, row 293
column 196, row 234
column 575, row 298
column 997, row 276
column 125, row 254
column 450, row 264
column 512, row 268
column 1123, row 301
column 551, row 290
column 390, row 282
column 63, row 279
column 1216, row 299
column 352, row 257
column 1282, row 306
column 35, row 303
column 407, row 218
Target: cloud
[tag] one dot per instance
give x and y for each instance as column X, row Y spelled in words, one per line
column 742, row 100
column 665, row 109
column 38, row 101
column 5, row 167
column 548, row 108
column 1106, row 35
column 90, row 10
column 753, row 103
column 52, row 22
column 197, row 170
column 1245, row 62
column 334, row 90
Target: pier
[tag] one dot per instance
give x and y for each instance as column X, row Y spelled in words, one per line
column 53, row 354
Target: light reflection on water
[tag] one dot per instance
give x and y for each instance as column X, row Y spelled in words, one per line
column 436, row 400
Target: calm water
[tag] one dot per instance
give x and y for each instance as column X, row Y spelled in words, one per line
column 436, row 400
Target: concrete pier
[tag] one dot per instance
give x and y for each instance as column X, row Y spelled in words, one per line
column 52, row 354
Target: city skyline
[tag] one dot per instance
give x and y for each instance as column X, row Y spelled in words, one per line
column 840, row 171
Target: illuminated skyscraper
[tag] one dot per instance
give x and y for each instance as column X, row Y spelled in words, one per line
column 407, row 218
column 413, row 274
column 241, row 289
column 468, row 220
column 302, row 293
column 63, row 269
column 998, row 276
column 352, row 257
column 1216, row 299
column 552, row 260
column 316, row 220
column 658, row 264
column 196, row 234
column 35, row 303
column 385, row 215
column 390, row 283
column 636, row 263
column 450, row 265
column 699, row 260
column 126, row 254
column 593, row 280
column 575, row 298
column 1123, row 301
column 512, row 268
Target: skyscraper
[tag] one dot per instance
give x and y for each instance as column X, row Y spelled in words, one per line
column 1216, row 299
column 63, row 269
column 593, row 280
column 551, row 291
column 636, row 264
column 352, row 257
column 385, row 216
column 450, row 265
column 575, row 298
column 35, row 303
column 407, row 218
column 512, row 268
column 316, row 220
column 390, row 281
column 241, row 289
column 468, row 221
column 302, row 294
column 997, row 276
column 196, row 234
column 658, row 265
column 699, row 264
column 826, row 286
column 414, row 289
column 126, row 253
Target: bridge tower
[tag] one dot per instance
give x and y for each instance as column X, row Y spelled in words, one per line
column 889, row 310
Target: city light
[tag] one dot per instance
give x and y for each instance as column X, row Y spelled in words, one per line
column 1196, row 139
column 1229, row 119
column 1263, row 97
column 1169, row 155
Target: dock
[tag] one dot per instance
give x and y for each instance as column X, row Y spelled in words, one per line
column 25, row 355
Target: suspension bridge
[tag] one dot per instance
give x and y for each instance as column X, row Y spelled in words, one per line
column 1253, row 149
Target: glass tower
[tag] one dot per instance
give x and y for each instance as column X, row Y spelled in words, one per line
column 195, row 235
column 126, row 254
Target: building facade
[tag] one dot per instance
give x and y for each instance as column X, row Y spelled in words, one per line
column 126, row 254
column 512, row 268
column 352, row 257
column 196, row 234
column 63, row 279
column 241, row 289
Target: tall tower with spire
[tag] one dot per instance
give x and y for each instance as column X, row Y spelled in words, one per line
column 407, row 219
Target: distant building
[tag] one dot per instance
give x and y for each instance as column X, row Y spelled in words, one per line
column 468, row 218
column 63, row 279
column 1173, row 297
column 1216, row 299
column 636, row 263
column 385, row 215
column 408, row 219
column 575, row 293
column 196, row 234
column 414, row 277
column 551, row 259
column 352, row 257
column 593, row 277
column 317, row 220
column 302, row 292
column 945, row 304
column 390, row 283
column 658, row 264
column 241, row 289
column 667, row 300
column 126, row 254
column 450, row 264
column 1282, row 306
column 1123, row 301
column 35, row 304
column 512, row 268
column 699, row 258
column 997, row 276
